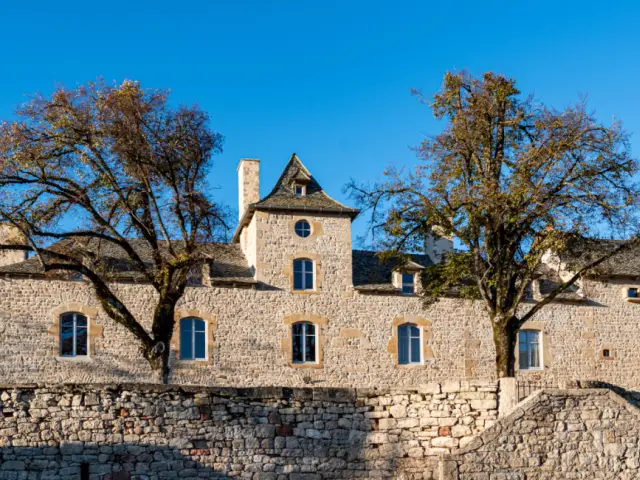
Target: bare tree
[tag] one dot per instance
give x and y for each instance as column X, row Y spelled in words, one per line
column 511, row 180
column 105, row 167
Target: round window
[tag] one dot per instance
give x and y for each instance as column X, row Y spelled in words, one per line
column 303, row 229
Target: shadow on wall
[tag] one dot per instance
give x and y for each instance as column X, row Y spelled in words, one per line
column 122, row 432
column 125, row 461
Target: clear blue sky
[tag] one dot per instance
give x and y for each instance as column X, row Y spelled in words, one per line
column 329, row 80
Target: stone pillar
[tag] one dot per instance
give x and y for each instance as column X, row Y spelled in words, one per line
column 248, row 184
column 447, row 469
column 507, row 396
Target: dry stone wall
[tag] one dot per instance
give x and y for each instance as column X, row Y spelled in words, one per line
column 152, row 432
column 556, row 434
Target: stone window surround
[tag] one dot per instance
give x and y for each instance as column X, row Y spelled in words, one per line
column 94, row 329
column 318, row 275
column 316, row 229
column 545, row 348
column 425, row 335
column 210, row 322
column 397, row 280
column 286, row 344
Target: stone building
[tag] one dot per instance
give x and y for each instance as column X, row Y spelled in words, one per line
column 289, row 302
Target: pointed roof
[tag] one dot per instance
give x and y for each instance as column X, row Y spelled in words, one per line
column 283, row 193
column 283, row 196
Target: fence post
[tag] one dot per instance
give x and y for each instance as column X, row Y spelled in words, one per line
column 507, row 396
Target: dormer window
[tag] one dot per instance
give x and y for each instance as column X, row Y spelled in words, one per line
column 632, row 293
column 408, row 284
column 300, row 190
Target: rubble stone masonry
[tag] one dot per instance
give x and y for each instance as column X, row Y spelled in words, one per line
column 250, row 337
column 136, row 431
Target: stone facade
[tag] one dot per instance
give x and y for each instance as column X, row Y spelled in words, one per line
column 556, row 434
column 150, row 432
column 249, row 323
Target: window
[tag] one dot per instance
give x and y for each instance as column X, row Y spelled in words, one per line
column 409, row 344
column 73, row 335
column 304, row 343
column 302, row 228
column 606, row 353
column 193, row 339
column 302, row 274
column 408, row 287
column 632, row 293
column 529, row 349
column 300, row 190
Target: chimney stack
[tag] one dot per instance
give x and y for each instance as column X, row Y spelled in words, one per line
column 248, row 184
column 9, row 235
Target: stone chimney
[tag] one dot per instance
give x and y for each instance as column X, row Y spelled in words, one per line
column 9, row 234
column 248, row 184
column 438, row 245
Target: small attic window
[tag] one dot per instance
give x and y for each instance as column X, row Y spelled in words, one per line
column 300, row 190
column 408, row 284
column 632, row 293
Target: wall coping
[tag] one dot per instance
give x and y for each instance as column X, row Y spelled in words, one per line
column 333, row 394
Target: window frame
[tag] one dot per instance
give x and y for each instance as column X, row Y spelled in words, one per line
column 74, row 337
column 412, row 285
column 303, row 349
column 410, row 337
column 539, row 343
column 181, row 351
column 304, row 262
column 306, row 227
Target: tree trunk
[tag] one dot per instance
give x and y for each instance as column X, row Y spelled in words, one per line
column 504, row 339
column 163, row 324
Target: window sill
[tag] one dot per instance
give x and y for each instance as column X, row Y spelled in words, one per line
column 530, row 370
column 305, row 292
column 633, row 299
column 410, row 365
column 76, row 359
column 305, row 365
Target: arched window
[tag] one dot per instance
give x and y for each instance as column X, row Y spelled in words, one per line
column 193, row 339
column 304, row 342
column 302, row 274
column 409, row 344
column 529, row 349
column 73, row 335
column 302, row 228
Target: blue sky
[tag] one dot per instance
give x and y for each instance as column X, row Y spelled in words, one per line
column 329, row 80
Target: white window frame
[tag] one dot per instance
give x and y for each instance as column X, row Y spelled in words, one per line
column 421, row 348
column 305, row 287
column 308, row 225
column 304, row 335
column 413, row 283
column 303, row 190
column 540, row 351
column 193, row 340
column 75, row 335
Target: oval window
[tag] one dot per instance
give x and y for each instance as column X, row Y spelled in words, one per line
column 303, row 229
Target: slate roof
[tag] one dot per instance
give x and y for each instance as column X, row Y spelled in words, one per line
column 283, row 197
column 583, row 251
column 227, row 262
column 283, row 194
column 371, row 275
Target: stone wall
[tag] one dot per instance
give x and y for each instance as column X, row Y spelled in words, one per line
column 556, row 434
column 250, row 337
column 121, row 432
